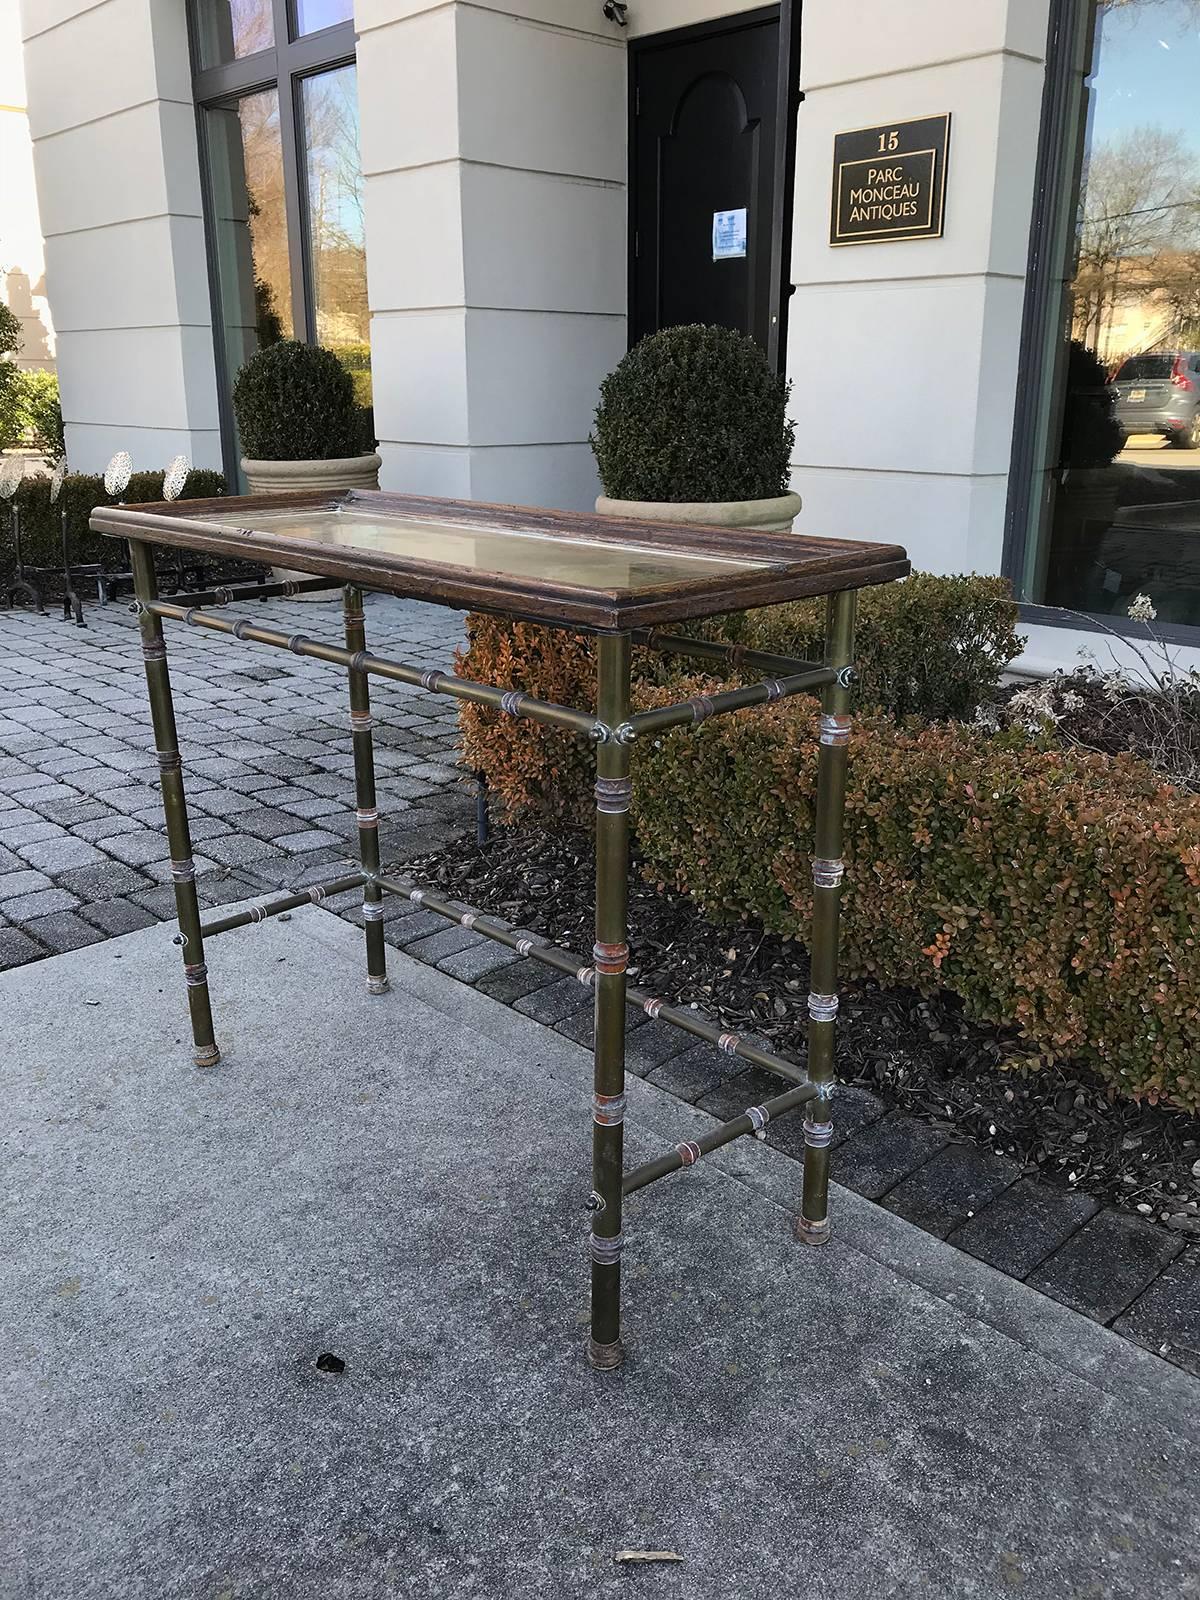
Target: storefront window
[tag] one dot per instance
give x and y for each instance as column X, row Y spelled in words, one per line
column 227, row 30
column 312, row 15
column 1115, row 504
column 337, row 253
column 249, row 225
column 276, row 97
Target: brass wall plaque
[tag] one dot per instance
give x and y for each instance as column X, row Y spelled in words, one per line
column 889, row 182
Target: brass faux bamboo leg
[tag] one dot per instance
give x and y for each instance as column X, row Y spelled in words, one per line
column 364, row 786
column 812, row 1225
column 183, row 870
column 611, row 955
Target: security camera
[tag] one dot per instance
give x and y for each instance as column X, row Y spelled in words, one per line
column 615, row 11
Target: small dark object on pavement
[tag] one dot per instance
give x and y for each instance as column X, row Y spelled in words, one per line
column 328, row 1362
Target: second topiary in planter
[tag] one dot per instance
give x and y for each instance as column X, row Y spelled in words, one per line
column 299, row 423
column 692, row 426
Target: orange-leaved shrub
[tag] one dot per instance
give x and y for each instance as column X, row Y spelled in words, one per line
column 929, row 646
column 1051, row 890
column 534, row 770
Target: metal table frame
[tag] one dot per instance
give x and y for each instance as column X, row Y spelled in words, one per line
column 615, row 729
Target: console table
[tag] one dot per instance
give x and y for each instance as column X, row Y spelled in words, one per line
column 625, row 582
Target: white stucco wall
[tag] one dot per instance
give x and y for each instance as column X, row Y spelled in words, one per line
column 110, row 112
column 903, row 356
column 493, row 148
column 658, row 16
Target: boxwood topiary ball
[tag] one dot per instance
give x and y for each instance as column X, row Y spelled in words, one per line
column 295, row 402
column 693, row 413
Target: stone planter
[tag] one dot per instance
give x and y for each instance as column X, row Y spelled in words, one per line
column 747, row 516
column 283, row 477
column 343, row 472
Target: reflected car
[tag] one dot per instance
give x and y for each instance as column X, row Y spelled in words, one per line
column 1160, row 393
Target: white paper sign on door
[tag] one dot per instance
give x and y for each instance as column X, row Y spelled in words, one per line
column 729, row 234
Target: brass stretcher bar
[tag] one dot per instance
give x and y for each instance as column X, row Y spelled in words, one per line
column 619, row 580
column 686, row 1018
column 520, row 705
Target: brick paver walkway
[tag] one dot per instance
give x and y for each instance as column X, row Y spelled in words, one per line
column 266, row 744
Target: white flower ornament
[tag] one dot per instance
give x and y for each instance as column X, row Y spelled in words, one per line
column 1142, row 609
column 175, row 478
column 57, row 477
column 117, row 474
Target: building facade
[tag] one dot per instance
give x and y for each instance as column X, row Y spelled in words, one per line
column 478, row 203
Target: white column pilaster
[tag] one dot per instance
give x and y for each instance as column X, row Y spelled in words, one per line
column 903, row 356
column 493, row 147
column 113, row 127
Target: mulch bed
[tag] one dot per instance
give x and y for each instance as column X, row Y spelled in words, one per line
column 1086, row 710
column 918, row 1054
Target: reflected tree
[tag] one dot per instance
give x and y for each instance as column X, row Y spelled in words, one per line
column 11, row 411
column 262, row 156
column 1179, row 292
column 335, row 207
column 1139, row 218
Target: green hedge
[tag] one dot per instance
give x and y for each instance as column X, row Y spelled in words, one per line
column 1053, row 891
column 41, row 527
column 12, row 409
column 30, row 415
column 354, row 357
column 80, row 493
column 930, row 646
column 43, row 415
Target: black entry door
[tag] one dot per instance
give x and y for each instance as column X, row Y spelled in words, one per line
column 702, row 151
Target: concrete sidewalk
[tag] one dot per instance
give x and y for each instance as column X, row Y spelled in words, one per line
column 401, row 1181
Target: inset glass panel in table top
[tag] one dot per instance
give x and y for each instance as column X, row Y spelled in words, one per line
column 517, row 554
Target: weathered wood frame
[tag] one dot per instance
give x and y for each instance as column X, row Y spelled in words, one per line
column 793, row 565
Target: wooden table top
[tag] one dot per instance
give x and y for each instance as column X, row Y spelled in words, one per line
column 566, row 569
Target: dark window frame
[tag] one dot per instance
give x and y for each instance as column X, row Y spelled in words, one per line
column 1056, row 186
column 282, row 67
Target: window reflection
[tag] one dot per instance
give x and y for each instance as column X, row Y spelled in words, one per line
column 312, row 15
column 337, row 253
column 226, row 30
column 245, row 173
column 1122, row 508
